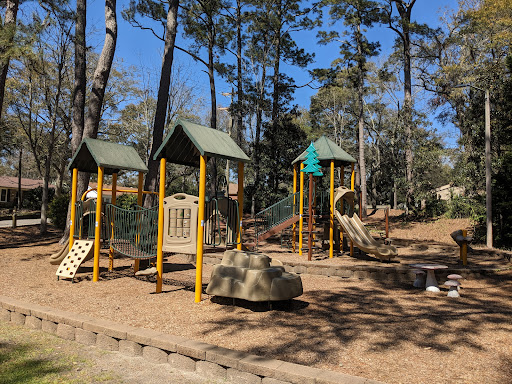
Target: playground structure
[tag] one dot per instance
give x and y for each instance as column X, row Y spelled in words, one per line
column 180, row 219
column 184, row 223
column 291, row 211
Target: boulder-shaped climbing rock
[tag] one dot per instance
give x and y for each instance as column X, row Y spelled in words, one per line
column 250, row 276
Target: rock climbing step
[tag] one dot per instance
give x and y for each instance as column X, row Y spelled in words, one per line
column 82, row 250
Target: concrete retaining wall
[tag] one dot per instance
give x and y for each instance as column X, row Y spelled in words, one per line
column 398, row 273
column 184, row 354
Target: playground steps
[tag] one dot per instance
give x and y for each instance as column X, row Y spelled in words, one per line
column 278, row 228
column 82, row 250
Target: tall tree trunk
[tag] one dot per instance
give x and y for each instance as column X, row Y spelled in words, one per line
column 20, row 162
column 102, row 72
column 240, row 94
column 162, row 99
column 395, row 195
column 277, row 62
column 259, row 120
column 213, row 102
column 404, row 10
column 51, row 144
column 78, row 107
column 360, row 96
column 275, row 94
column 77, row 124
column 8, row 29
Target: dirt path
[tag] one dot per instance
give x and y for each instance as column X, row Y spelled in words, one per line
column 31, row 356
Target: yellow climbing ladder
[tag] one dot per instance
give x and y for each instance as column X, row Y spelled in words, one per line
column 81, row 251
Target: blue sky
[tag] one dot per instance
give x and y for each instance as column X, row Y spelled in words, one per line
column 141, row 49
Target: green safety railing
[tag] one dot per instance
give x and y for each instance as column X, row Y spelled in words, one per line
column 287, row 208
column 213, row 226
column 85, row 222
column 133, row 232
column 212, row 233
column 322, row 202
column 79, row 211
column 276, row 214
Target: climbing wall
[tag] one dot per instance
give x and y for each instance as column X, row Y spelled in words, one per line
column 81, row 251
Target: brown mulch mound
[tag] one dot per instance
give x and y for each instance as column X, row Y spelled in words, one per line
column 385, row 331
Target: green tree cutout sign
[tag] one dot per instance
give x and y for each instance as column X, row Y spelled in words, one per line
column 312, row 167
column 312, row 163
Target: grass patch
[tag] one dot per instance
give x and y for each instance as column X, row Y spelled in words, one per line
column 30, row 357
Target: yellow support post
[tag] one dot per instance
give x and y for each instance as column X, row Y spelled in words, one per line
column 97, row 229
column 352, row 187
column 342, row 184
column 139, row 203
column 240, row 202
column 464, row 248
column 294, row 226
column 111, row 250
column 331, row 214
column 200, row 229
column 159, row 246
column 301, row 207
column 73, row 212
column 352, row 177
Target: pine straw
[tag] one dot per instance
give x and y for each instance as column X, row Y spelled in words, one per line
column 385, row 331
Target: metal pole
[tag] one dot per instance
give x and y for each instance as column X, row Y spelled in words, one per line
column 240, row 202
column 97, row 229
column 160, row 238
column 113, row 202
column 200, row 229
column 310, row 217
column 488, row 191
column 301, row 208
column 140, row 188
column 294, row 226
column 331, row 212
column 73, row 208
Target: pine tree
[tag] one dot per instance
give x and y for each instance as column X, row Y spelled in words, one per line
column 355, row 51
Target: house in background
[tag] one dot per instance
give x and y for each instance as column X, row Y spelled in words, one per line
column 446, row 192
column 9, row 189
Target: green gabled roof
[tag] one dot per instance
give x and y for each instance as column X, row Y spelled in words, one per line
column 186, row 142
column 328, row 150
column 93, row 153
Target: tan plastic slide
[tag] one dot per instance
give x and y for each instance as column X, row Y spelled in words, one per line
column 58, row 256
column 357, row 232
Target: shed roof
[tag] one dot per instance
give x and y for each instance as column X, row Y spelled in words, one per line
column 113, row 157
column 186, row 142
column 328, row 150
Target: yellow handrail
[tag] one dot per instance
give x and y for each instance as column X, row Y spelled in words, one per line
column 117, row 190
